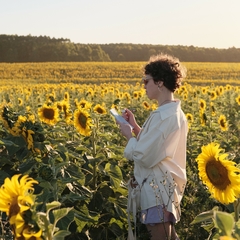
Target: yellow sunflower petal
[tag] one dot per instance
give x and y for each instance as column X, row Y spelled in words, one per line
column 16, row 195
column 83, row 122
column 220, row 175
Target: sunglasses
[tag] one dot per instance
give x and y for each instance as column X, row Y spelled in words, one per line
column 146, row 80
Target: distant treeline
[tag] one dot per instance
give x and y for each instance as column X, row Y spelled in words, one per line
column 14, row 48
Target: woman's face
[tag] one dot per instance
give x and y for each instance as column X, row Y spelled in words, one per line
column 151, row 88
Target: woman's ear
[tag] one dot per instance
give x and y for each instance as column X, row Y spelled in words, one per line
column 160, row 84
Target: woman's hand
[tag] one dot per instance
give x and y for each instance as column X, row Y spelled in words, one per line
column 129, row 117
column 125, row 130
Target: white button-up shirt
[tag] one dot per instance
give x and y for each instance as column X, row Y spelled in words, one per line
column 159, row 155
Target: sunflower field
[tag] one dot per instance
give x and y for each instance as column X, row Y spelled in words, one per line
column 103, row 72
column 62, row 170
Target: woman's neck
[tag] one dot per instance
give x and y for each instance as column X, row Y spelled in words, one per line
column 165, row 97
column 166, row 101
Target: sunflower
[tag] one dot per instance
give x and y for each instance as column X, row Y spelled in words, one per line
column 137, row 84
column 119, row 95
column 203, row 118
column 66, row 96
column 127, row 96
column 20, row 102
column 82, row 122
column 16, row 195
column 185, row 97
column 116, row 90
column 84, row 104
column 238, row 100
column 90, row 92
column 16, row 130
column 228, row 87
column 76, row 102
column 213, row 109
column 194, row 94
column 105, row 90
column 202, row 104
column 217, row 90
column 237, row 88
column 204, row 90
column 111, row 89
column 30, row 115
column 115, row 106
column 219, row 174
column 221, row 89
column 189, row 117
column 100, row 109
column 154, row 106
column 183, row 88
column 146, row 105
column 51, row 97
column 223, row 123
column 213, row 95
column 66, row 110
column 135, row 94
column 141, row 93
column 19, row 224
column 28, row 233
column 102, row 94
column 48, row 114
column 27, row 134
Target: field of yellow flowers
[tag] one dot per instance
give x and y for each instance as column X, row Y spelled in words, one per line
column 102, row 72
column 62, row 170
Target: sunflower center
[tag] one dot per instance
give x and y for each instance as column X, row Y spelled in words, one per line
column 48, row 113
column 82, row 119
column 14, row 207
column 222, row 122
column 99, row 110
column 82, row 105
column 217, row 174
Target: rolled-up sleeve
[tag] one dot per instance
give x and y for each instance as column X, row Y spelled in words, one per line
column 147, row 152
column 129, row 150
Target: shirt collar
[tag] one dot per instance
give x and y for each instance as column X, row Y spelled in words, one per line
column 169, row 109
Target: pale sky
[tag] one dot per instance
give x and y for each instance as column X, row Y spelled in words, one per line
column 201, row 23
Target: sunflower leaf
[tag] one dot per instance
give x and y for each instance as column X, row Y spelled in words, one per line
column 60, row 213
column 114, row 173
column 224, row 221
column 65, row 221
column 60, row 235
column 52, row 205
column 204, row 216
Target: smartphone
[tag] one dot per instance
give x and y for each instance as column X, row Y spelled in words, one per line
column 119, row 118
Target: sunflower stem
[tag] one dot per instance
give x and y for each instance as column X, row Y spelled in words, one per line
column 94, row 155
column 236, row 205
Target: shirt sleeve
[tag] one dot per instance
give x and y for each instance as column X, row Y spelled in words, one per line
column 149, row 150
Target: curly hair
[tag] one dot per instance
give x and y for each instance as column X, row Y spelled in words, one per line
column 166, row 68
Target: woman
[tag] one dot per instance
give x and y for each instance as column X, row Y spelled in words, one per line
column 159, row 148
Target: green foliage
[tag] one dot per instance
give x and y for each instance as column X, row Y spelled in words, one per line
column 82, row 190
column 219, row 223
column 16, row 48
column 81, row 183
